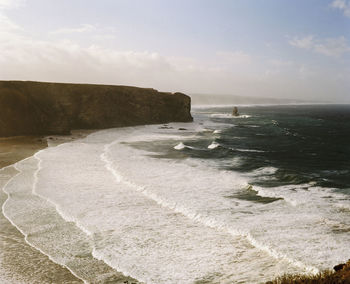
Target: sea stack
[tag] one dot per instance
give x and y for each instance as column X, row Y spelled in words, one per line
column 35, row 108
column 235, row 111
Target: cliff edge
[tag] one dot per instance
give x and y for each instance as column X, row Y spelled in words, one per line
column 28, row 108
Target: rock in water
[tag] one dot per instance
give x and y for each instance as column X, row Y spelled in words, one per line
column 235, row 111
column 28, row 108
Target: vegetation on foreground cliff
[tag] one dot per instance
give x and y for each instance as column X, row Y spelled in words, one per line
column 340, row 275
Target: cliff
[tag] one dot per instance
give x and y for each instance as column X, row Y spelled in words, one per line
column 28, row 108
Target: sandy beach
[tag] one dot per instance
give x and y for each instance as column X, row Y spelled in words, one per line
column 19, row 262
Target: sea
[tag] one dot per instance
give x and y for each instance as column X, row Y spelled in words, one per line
column 223, row 199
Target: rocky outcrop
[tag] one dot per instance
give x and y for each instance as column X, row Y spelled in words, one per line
column 28, row 108
column 342, row 273
column 339, row 275
column 235, row 111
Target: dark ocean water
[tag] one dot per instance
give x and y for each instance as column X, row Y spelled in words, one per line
column 304, row 143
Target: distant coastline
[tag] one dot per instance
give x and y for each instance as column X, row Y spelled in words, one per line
column 199, row 106
column 225, row 100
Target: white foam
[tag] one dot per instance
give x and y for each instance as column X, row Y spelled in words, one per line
column 263, row 171
column 45, row 230
column 181, row 221
column 17, row 208
column 227, row 115
column 213, row 145
column 135, row 229
column 181, row 146
column 280, row 215
column 247, row 150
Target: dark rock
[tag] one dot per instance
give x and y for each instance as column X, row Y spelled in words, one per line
column 28, row 108
column 339, row 267
column 182, row 128
column 235, row 111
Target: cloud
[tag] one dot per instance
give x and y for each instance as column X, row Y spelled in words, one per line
column 96, row 33
column 281, row 63
column 305, row 42
column 11, row 4
column 8, row 26
column 343, row 5
column 333, row 47
column 235, row 57
column 306, row 72
column 26, row 58
column 82, row 29
column 62, row 56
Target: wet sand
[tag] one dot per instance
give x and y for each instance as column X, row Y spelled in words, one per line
column 19, row 262
column 14, row 149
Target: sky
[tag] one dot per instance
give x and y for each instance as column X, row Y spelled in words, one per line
column 296, row 49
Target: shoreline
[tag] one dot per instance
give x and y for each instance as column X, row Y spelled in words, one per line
column 14, row 250
column 41, row 268
column 8, row 172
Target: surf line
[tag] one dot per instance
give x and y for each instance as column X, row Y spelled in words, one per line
column 67, row 218
column 34, row 192
column 19, row 229
column 206, row 221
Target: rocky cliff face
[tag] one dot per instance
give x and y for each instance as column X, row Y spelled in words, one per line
column 28, row 108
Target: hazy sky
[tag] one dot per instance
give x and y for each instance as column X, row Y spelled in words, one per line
column 270, row 48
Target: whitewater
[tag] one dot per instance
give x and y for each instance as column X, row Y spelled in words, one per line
column 131, row 202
